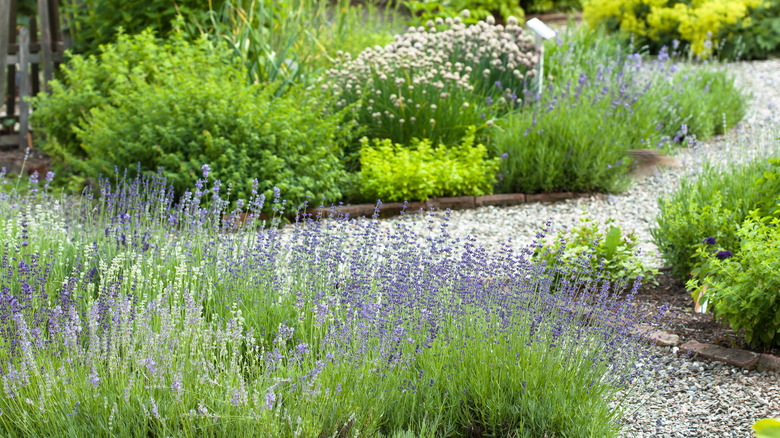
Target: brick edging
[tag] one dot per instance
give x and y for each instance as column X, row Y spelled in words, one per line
column 453, row 203
column 733, row 356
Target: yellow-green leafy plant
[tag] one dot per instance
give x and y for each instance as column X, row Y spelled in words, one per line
column 392, row 172
column 767, row 428
column 694, row 24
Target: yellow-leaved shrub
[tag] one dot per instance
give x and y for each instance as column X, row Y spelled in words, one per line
column 659, row 22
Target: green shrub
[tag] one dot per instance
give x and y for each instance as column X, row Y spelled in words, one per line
column 710, row 206
column 574, row 139
column 743, row 286
column 756, row 37
column 98, row 80
column 767, row 187
column 398, row 173
column 613, row 250
column 194, row 108
column 96, row 23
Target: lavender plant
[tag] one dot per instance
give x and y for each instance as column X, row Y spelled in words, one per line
column 434, row 82
column 128, row 312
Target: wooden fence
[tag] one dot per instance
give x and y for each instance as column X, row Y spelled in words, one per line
column 28, row 52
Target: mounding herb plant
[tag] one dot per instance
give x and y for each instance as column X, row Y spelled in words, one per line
column 126, row 311
column 742, row 282
column 607, row 247
column 180, row 105
column 435, row 82
column 713, row 205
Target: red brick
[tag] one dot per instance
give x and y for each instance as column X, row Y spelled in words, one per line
column 658, row 337
column 549, row 197
column 395, row 208
column 454, row 203
column 732, row 356
column 590, row 195
column 356, row 210
column 500, row 200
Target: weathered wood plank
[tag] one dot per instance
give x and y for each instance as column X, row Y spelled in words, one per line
column 34, row 66
column 5, row 12
column 46, row 40
column 24, row 85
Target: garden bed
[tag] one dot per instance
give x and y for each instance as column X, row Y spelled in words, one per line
column 682, row 321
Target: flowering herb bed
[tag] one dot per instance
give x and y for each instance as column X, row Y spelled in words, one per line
column 126, row 312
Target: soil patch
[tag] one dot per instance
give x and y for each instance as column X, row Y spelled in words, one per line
column 683, row 321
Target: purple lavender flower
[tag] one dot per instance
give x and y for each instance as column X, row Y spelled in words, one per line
column 270, row 399
column 723, row 255
column 205, row 168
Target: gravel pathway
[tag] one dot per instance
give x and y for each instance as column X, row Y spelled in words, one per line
column 704, row 398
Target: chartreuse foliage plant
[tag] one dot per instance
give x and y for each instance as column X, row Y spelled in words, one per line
column 701, row 25
column 177, row 105
column 742, row 282
column 128, row 312
column 767, row 428
column 422, row 11
column 420, row 171
column 607, row 246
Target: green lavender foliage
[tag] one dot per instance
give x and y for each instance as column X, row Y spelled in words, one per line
column 202, row 329
column 393, row 172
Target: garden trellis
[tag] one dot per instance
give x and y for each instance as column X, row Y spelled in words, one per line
column 27, row 51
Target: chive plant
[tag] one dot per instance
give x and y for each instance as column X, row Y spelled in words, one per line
column 127, row 312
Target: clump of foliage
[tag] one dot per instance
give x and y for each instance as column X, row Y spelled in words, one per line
column 613, row 252
column 434, row 83
column 292, row 42
column 660, row 22
column 755, row 37
column 100, row 23
column 419, row 171
column 767, row 428
column 178, row 105
column 472, row 11
column 712, row 205
column 574, row 136
column 742, row 282
column 160, row 317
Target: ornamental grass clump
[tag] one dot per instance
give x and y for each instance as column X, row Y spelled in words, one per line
column 126, row 312
column 434, row 82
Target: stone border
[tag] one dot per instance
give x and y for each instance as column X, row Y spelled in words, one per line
column 733, row 356
column 453, row 203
